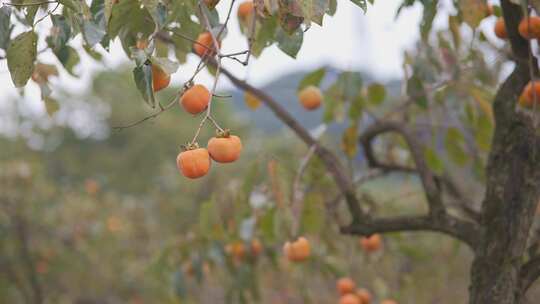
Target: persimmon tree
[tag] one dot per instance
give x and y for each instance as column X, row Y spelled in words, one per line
column 447, row 121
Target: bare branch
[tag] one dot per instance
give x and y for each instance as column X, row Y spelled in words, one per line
column 529, row 273
column 433, row 193
column 29, row 4
column 328, row 158
column 462, row 230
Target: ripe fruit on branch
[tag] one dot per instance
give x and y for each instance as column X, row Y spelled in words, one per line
column 204, row 45
column 141, row 44
column 527, row 98
column 225, row 148
column 310, row 97
column 160, row 78
column 195, row 99
column 256, row 247
column 245, row 9
column 194, row 162
column 345, row 286
column 298, row 250
column 372, row 243
column 349, row 299
column 237, row 250
column 529, row 28
column 500, row 29
column 364, row 295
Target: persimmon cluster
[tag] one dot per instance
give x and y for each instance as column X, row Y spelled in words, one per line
column 349, row 294
column 529, row 28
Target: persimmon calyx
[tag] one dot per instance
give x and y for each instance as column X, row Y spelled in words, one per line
column 190, row 146
column 224, row 133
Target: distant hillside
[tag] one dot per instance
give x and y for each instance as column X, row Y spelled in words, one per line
column 283, row 90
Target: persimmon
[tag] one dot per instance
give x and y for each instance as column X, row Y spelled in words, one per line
column 245, row 9
column 364, row 295
column 389, row 301
column 349, row 299
column 204, row 45
column 193, row 163
column 345, row 286
column 160, row 78
column 256, row 247
column 371, row 243
column 91, row 186
column 528, row 95
column 236, row 249
column 141, row 44
column 195, row 99
column 298, row 250
column 42, row 267
column 225, row 148
column 310, row 97
column 529, row 28
column 500, row 29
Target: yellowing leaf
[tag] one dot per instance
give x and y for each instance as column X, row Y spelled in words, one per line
column 252, row 102
column 482, row 99
column 348, row 140
column 473, row 11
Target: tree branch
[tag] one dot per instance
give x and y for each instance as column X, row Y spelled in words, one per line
column 529, row 273
column 433, row 193
column 328, row 158
column 462, row 230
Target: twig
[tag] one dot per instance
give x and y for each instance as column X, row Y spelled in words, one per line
column 48, row 14
column 29, row 4
column 297, row 202
column 169, row 105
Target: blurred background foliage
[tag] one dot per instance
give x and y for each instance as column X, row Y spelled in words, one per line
column 96, row 215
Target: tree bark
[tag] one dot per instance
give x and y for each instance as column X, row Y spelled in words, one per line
column 512, row 185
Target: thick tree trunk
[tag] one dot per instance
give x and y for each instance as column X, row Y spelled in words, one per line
column 512, row 187
column 513, row 177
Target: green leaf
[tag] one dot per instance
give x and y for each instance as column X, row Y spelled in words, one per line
column 430, row 10
column 5, row 27
column 473, row 11
column 130, row 19
column 92, row 33
column 484, row 132
column 376, row 93
column 21, row 55
column 361, row 3
column 356, row 107
column 72, row 5
column 349, row 140
column 312, row 79
column 143, row 80
column 60, row 33
column 313, row 10
column 433, row 161
column 265, row 33
column 454, row 143
column 267, row 225
column 332, row 6
column 30, row 14
column 290, row 44
column 169, row 66
column 51, row 105
column 312, row 214
column 416, row 91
